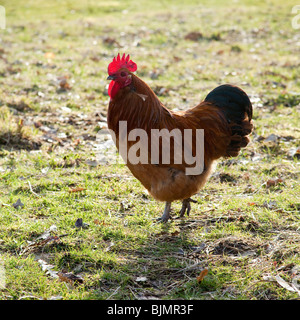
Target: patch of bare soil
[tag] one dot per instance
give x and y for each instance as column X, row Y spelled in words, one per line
column 234, row 246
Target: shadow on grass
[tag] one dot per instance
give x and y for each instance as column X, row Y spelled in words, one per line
column 163, row 266
column 15, row 141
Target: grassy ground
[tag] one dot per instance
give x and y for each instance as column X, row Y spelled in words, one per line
column 245, row 227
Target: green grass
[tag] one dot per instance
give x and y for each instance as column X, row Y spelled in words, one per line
column 243, row 229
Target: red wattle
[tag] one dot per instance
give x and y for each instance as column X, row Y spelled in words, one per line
column 113, row 88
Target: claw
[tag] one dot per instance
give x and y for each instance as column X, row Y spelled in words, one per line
column 166, row 215
column 186, row 207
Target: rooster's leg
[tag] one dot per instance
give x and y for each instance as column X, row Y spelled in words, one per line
column 186, row 207
column 166, row 215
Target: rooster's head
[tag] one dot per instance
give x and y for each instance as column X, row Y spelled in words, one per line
column 119, row 71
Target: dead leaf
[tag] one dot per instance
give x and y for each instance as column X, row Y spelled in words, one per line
column 63, row 82
column 80, row 224
column 270, row 205
column 99, row 223
column 111, row 42
column 273, row 182
column 46, row 238
column 201, row 276
column 285, row 285
column 95, row 58
column 78, row 189
column 272, row 138
column 294, row 153
column 47, row 233
column 177, row 59
column 92, row 163
column 64, row 85
column 246, row 176
column 141, row 279
column 110, row 246
column 47, row 268
column 66, row 277
column 39, row 244
column 194, row 36
column 252, row 226
column 161, row 91
column 256, row 157
column 70, row 278
column 167, row 234
column 19, row 105
column 18, row 204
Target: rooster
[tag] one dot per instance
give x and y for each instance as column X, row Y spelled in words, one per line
column 225, row 115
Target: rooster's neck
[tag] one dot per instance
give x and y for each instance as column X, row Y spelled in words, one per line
column 139, row 106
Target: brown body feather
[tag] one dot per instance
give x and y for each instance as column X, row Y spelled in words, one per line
column 139, row 106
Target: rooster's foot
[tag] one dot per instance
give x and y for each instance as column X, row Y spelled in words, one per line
column 166, row 215
column 186, row 207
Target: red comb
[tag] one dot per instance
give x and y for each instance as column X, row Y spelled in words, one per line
column 119, row 63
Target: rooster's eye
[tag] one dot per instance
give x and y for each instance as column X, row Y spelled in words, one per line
column 123, row 74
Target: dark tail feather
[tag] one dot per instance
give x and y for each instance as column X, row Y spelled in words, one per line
column 237, row 108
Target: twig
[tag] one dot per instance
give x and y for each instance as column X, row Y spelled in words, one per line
column 135, row 296
column 30, row 187
column 193, row 266
column 113, row 293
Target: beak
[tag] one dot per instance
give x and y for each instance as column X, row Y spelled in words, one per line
column 111, row 77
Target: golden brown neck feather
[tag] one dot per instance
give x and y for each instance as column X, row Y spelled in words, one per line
column 129, row 105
